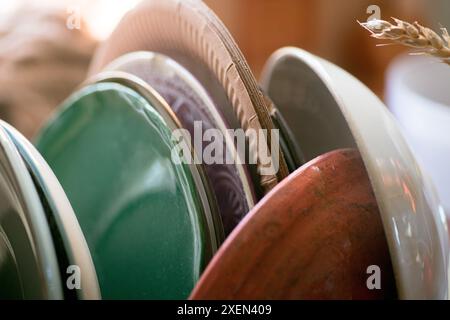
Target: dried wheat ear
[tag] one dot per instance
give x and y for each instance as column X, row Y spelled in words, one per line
column 414, row 35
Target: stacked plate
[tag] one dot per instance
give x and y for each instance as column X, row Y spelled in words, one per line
column 128, row 205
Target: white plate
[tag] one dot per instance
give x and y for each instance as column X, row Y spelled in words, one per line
column 29, row 265
column 73, row 244
column 332, row 109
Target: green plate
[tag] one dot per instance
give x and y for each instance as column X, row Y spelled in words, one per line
column 147, row 221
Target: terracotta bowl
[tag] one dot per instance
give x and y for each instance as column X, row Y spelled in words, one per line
column 315, row 236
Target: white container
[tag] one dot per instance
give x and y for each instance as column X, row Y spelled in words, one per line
column 418, row 94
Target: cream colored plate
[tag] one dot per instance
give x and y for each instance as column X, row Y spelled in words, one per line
column 66, row 228
column 327, row 108
column 28, row 261
column 191, row 34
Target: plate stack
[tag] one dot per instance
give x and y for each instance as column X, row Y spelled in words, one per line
column 172, row 174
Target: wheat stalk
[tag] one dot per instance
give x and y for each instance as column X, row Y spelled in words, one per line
column 414, row 35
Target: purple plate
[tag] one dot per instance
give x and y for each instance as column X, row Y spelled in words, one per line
column 189, row 100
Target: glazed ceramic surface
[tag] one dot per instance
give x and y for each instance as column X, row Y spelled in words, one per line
column 141, row 214
column 70, row 244
column 29, row 265
column 192, row 105
column 333, row 109
column 312, row 237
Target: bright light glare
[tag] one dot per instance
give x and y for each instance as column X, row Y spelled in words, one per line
column 101, row 16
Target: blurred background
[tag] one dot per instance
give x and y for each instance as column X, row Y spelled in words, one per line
column 46, row 45
column 46, row 48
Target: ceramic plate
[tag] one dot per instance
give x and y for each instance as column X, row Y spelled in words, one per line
column 192, row 105
column 69, row 241
column 327, row 108
column 29, row 265
column 148, row 221
column 191, row 34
